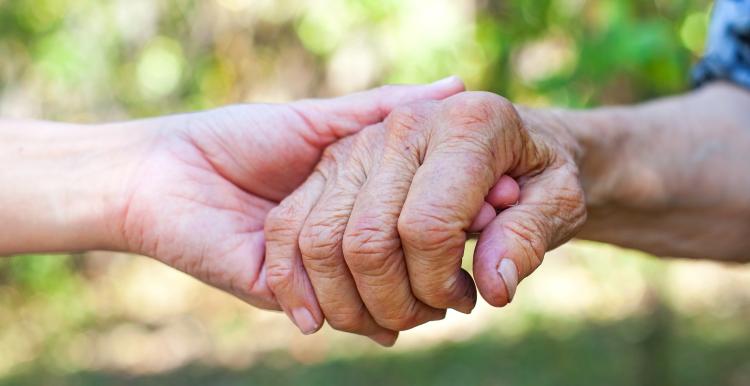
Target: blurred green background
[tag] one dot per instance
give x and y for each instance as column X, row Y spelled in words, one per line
column 591, row 315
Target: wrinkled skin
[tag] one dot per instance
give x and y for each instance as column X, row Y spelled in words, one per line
column 377, row 232
column 201, row 193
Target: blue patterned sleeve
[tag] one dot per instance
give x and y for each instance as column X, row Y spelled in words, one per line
column 727, row 54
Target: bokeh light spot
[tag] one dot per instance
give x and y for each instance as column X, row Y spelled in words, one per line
column 160, row 68
column 693, row 31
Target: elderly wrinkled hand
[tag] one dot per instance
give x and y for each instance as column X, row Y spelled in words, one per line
column 373, row 240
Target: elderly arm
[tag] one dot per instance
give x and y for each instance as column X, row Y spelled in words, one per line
column 669, row 177
column 392, row 204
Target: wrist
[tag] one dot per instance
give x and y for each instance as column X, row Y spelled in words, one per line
column 596, row 139
column 124, row 150
column 601, row 137
column 66, row 185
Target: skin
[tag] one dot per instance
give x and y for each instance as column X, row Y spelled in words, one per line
column 380, row 224
column 192, row 191
column 669, row 177
column 195, row 191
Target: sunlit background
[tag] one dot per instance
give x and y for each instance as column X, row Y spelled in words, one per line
column 592, row 315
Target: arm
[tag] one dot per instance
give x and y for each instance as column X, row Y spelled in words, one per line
column 68, row 187
column 669, row 177
column 666, row 177
column 62, row 186
column 192, row 191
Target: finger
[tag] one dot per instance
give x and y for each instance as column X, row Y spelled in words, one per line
column 265, row 299
column 285, row 272
column 447, row 193
column 486, row 214
column 321, row 247
column 440, row 208
column 351, row 113
column 513, row 245
column 240, row 270
column 372, row 247
column 505, row 193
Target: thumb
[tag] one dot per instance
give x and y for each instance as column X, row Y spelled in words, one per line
column 335, row 118
column 512, row 246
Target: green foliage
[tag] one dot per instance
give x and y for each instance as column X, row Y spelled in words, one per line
column 40, row 274
column 157, row 57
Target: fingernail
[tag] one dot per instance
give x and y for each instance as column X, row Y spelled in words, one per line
column 509, row 273
column 304, row 320
column 385, row 338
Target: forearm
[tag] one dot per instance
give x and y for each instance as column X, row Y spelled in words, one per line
column 62, row 186
column 670, row 176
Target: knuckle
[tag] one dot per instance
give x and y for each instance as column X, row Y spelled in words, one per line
column 279, row 223
column 329, row 156
column 427, row 229
column 334, row 154
column 319, row 240
column 437, row 293
column 573, row 191
column 530, row 239
column 405, row 120
column 348, row 319
column 400, row 318
column 479, row 104
column 480, row 107
column 399, row 323
column 367, row 248
column 572, row 203
column 569, row 206
column 279, row 273
column 366, row 148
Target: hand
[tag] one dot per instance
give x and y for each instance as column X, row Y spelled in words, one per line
column 378, row 229
column 199, row 197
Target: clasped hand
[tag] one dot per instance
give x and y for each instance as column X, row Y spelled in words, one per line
column 355, row 210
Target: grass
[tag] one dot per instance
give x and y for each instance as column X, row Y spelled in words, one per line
column 661, row 349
